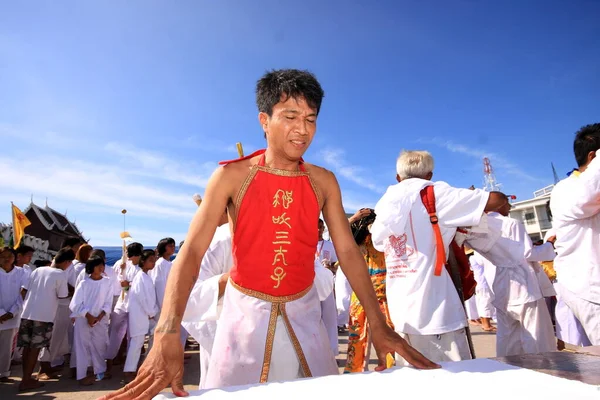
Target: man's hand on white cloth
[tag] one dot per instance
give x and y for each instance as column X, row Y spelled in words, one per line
column 163, row 366
column 386, row 341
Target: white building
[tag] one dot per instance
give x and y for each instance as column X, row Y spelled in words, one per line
column 535, row 213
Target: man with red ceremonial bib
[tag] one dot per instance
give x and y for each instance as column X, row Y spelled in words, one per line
column 270, row 328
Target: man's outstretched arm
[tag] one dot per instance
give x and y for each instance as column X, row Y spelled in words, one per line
column 354, row 267
column 164, row 364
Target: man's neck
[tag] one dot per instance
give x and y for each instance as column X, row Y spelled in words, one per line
column 274, row 161
column 8, row 268
column 19, row 265
column 168, row 258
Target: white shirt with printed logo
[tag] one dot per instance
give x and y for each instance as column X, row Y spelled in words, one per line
column 421, row 303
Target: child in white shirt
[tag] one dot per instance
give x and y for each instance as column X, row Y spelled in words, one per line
column 45, row 287
column 11, row 305
column 142, row 309
column 90, row 306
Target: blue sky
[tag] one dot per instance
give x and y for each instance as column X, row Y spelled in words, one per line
column 110, row 105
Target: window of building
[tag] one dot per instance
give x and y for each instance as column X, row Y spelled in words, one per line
column 529, row 218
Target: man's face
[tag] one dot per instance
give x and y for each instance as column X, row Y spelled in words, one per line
column 321, row 230
column 169, row 250
column 135, row 260
column 291, row 128
column 7, row 258
column 505, row 209
column 25, row 258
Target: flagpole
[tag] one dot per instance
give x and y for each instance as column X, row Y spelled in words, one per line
column 12, row 212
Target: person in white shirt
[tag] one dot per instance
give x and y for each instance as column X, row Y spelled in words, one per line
column 81, row 257
column 142, row 309
column 90, row 306
column 206, row 300
column 575, row 206
column 524, row 323
column 483, row 293
column 325, row 254
column 46, row 286
column 52, row 358
column 11, row 304
column 125, row 270
column 24, row 254
column 164, row 251
column 424, row 305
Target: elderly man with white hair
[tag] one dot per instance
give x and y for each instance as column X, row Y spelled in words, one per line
column 425, row 307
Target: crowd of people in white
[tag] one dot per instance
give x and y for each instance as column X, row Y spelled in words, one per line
column 76, row 305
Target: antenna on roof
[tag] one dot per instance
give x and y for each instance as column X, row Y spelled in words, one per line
column 31, row 198
column 46, row 202
column 556, row 180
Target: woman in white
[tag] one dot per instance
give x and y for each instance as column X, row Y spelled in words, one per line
column 90, row 306
column 81, row 258
column 11, row 304
column 142, row 309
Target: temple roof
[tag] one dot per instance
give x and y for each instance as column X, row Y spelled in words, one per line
column 53, row 220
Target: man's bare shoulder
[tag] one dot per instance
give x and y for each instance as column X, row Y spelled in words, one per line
column 323, row 178
column 237, row 169
column 320, row 173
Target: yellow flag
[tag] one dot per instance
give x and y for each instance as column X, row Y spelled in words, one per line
column 20, row 222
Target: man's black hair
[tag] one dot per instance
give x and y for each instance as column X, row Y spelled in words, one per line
column 360, row 228
column 71, row 241
column 99, row 253
column 587, row 139
column 92, row 263
column 22, row 250
column 42, row 263
column 146, row 254
column 287, row 83
column 63, row 255
column 135, row 250
column 161, row 248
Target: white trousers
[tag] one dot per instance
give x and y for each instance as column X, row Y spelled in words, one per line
column 329, row 315
column 471, row 308
column 343, row 292
column 450, row 346
column 90, row 344
column 134, row 351
column 6, row 341
column 586, row 312
column 483, row 299
column 59, row 342
column 525, row 329
column 116, row 333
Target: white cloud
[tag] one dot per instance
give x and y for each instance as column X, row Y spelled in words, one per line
column 334, row 159
column 155, row 188
column 498, row 161
column 160, row 167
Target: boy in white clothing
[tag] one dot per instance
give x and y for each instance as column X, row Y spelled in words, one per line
column 524, row 323
column 90, row 306
column 11, row 304
column 125, row 270
column 46, row 286
column 141, row 311
column 575, row 205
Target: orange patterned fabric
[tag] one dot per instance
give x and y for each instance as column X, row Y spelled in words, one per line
column 358, row 337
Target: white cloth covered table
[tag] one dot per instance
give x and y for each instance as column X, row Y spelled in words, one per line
column 448, row 383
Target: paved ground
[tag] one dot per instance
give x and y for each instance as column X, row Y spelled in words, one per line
column 68, row 389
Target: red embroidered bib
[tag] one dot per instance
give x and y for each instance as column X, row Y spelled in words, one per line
column 276, row 231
